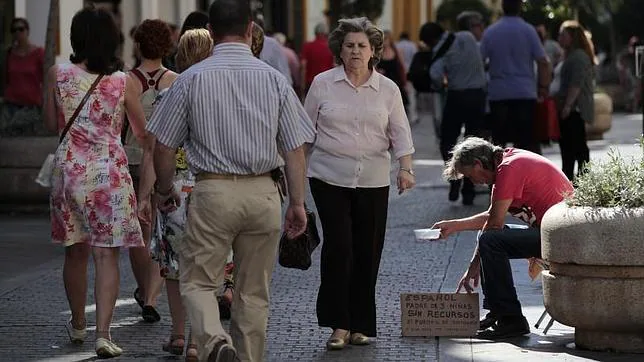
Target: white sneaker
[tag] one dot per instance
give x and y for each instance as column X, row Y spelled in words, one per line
column 107, row 349
column 76, row 336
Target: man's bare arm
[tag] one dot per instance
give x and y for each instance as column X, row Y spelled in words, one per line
column 497, row 212
column 164, row 166
column 295, row 175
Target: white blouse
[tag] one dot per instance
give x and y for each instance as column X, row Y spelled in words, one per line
column 357, row 127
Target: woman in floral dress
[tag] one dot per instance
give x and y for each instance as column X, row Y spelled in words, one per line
column 194, row 46
column 92, row 202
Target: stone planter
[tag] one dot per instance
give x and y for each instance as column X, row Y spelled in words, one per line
column 596, row 277
column 603, row 117
column 20, row 161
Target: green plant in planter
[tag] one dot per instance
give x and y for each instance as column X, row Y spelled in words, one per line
column 618, row 182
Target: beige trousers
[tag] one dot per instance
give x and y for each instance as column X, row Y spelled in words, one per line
column 245, row 215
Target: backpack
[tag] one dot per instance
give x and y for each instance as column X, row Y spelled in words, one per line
column 150, row 84
column 422, row 61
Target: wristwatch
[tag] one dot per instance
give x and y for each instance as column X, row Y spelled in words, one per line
column 408, row 170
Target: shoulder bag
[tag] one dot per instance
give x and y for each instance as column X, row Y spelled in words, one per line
column 47, row 168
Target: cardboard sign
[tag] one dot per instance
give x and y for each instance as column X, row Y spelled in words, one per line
column 439, row 314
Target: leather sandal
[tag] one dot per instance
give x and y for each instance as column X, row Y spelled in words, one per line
column 192, row 357
column 173, row 348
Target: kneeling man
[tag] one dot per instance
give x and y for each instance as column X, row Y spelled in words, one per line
column 525, row 185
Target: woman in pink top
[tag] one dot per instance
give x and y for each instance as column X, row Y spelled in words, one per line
column 93, row 206
column 361, row 123
column 23, row 75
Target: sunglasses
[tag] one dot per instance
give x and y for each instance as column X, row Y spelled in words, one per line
column 18, row 29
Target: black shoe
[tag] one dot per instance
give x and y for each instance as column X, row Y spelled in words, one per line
column 506, row 328
column 150, row 314
column 454, row 189
column 487, row 322
column 224, row 308
column 468, row 199
column 137, row 297
column 223, row 352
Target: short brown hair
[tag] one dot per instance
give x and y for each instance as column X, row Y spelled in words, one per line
column 357, row 25
column 154, row 38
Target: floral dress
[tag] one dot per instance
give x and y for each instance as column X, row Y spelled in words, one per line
column 168, row 233
column 92, row 199
column 169, row 228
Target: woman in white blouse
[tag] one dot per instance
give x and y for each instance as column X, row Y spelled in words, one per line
column 361, row 122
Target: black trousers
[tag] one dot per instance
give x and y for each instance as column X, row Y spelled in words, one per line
column 512, row 121
column 496, row 248
column 463, row 107
column 572, row 143
column 353, row 226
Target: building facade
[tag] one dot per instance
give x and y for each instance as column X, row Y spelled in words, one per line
column 295, row 18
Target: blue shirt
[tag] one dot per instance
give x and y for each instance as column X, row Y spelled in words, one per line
column 511, row 46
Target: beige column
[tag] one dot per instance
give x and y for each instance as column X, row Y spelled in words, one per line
column 68, row 9
column 185, row 7
column 149, row 9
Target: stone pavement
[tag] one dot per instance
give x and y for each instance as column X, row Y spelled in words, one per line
column 33, row 307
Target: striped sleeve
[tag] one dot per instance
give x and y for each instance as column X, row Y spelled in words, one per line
column 294, row 126
column 169, row 121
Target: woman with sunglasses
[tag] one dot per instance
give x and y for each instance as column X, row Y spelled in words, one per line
column 23, row 78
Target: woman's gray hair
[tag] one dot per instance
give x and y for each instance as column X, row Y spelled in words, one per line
column 467, row 152
column 357, row 25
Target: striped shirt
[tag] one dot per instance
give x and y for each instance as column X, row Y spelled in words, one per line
column 232, row 113
column 462, row 63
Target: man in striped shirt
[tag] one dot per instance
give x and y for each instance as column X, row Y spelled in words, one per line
column 238, row 119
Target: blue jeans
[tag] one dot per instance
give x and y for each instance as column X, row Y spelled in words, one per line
column 496, row 248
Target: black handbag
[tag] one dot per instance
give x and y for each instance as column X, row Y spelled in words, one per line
column 296, row 253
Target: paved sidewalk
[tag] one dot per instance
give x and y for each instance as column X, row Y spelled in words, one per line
column 33, row 307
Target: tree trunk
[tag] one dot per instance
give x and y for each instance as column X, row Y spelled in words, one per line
column 51, row 41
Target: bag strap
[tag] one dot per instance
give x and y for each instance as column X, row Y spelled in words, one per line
column 444, row 48
column 80, row 107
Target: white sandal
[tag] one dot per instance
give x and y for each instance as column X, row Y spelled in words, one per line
column 107, row 349
column 76, row 336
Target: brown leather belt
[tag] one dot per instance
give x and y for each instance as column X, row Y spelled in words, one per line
column 214, row 176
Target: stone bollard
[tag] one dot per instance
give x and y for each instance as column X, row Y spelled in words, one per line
column 596, row 278
column 603, row 117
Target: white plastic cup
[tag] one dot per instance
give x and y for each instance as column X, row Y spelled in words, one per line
column 427, row 234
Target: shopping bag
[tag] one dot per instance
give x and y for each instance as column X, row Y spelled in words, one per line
column 46, row 170
column 547, row 121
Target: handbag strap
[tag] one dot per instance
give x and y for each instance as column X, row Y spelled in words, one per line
column 80, row 107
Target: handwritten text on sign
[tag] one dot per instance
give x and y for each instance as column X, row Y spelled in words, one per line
column 439, row 314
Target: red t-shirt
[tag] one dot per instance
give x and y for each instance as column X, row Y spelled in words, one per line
column 25, row 78
column 532, row 182
column 318, row 58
